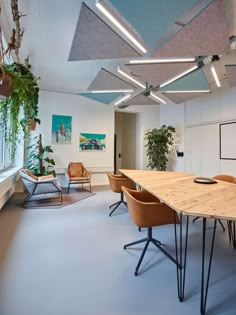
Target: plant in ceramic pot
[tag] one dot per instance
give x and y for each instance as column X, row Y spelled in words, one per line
column 159, row 143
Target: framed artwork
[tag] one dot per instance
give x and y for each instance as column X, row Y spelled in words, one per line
column 92, row 142
column 61, row 129
column 227, row 144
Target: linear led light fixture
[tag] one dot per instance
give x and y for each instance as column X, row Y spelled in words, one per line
column 112, row 91
column 122, row 99
column 179, row 76
column 186, row 91
column 163, row 60
column 213, row 70
column 119, row 26
column 158, row 98
column 130, row 78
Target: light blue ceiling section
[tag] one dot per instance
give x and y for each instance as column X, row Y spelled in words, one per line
column 192, row 81
column 152, row 18
column 105, row 98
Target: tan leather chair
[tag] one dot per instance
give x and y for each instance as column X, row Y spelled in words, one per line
column 230, row 224
column 116, row 182
column 147, row 211
column 76, row 173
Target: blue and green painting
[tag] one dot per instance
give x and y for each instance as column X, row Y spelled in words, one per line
column 92, row 142
column 61, row 129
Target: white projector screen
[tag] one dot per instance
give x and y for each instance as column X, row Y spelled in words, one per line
column 228, row 141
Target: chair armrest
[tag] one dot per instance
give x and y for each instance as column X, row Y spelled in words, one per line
column 86, row 173
column 40, row 178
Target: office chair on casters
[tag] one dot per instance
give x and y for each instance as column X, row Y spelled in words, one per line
column 116, row 182
column 147, row 211
column 229, row 179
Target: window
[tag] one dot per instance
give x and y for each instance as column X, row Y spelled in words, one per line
column 5, row 146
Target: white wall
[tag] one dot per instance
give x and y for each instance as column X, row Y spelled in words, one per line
column 174, row 115
column 200, row 118
column 87, row 116
column 146, row 119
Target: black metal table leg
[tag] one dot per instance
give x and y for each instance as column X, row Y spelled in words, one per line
column 204, row 286
column 181, row 260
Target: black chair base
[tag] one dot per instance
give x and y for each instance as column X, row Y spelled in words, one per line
column 116, row 204
column 79, row 183
column 149, row 239
column 221, row 224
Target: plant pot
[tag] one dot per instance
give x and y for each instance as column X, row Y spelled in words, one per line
column 32, row 124
column 6, row 85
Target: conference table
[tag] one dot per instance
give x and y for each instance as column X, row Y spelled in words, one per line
column 180, row 192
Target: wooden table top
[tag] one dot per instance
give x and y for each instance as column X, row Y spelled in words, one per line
column 179, row 191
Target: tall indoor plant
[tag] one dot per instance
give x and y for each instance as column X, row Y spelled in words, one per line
column 38, row 161
column 159, row 143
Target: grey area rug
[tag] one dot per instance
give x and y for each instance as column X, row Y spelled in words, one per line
column 75, row 195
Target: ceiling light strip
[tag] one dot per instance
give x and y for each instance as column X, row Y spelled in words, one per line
column 122, row 99
column 112, row 91
column 186, row 91
column 213, row 70
column 158, row 98
column 179, row 76
column 131, row 78
column 119, row 26
column 164, row 60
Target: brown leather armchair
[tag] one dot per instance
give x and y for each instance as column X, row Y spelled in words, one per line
column 76, row 173
column 116, row 182
column 147, row 211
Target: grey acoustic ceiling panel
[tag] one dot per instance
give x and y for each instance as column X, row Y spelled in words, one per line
column 182, row 97
column 141, row 100
column 106, row 80
column 94, row 39
column 205, row 35
column 231, row 74
column 156, row 74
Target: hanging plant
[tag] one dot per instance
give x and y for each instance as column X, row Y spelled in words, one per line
column 22, row 102
column 20, row 87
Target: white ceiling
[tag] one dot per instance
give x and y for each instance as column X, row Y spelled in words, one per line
column 49, row 28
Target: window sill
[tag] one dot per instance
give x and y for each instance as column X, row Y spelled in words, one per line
column 7, row 184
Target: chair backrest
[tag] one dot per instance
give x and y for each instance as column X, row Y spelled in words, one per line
column 146, row 210
column 226, row 178
column 117, row 181
column 29, row 180
column 75, row 169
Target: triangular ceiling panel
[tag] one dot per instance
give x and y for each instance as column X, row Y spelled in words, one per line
column 205, row 35
column 141, row 100
column 183, row 97
column 156, row 74
column 231, row 74
column 193, row 81
column 106, row 80
column 94, row 39
column 143, row 15
column 105, row 98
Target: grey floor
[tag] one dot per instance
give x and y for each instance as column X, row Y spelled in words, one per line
column 71, row 261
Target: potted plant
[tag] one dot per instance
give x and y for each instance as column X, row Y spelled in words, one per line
column 38, row 161
column 159, row 143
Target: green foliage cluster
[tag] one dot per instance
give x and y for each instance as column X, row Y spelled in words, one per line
column 158, row 146
column 38, row 162
column 24, row 98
